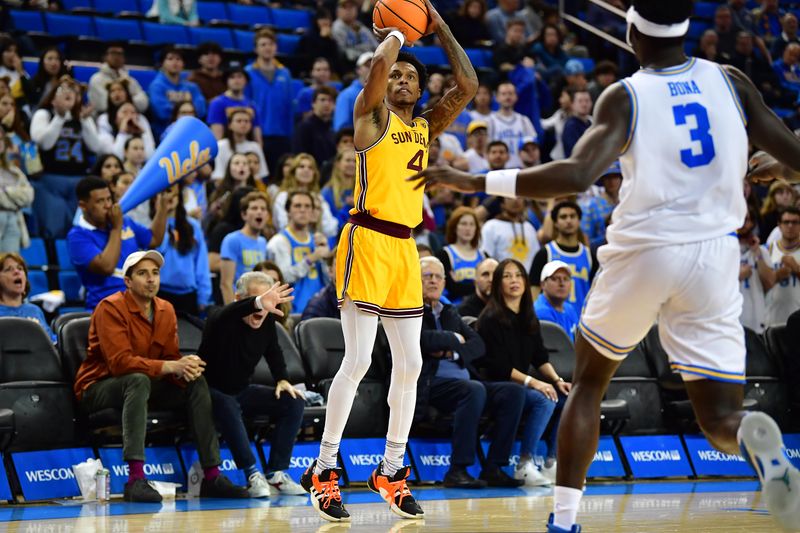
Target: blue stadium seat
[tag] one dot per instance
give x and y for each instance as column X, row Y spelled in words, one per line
column 27, row 20
column 221, row 36
column 705, row 10
column 65, row 25
column 287, row 44
column 429, row 55
column 296, row 87
column 212, row 11
column 31, row 67
column 588, row 64
column 155, row 33
column 35, row 255
column 69, row 5
column 70, row 283
column 143, row 76
column 112, row 29
column 249, row 15
column 83, row 73
column 38, row 281
column 697, row 28
column 62, row 255
column 245, row 40
column 480, row 57
column 116, row 6
column 291, row 19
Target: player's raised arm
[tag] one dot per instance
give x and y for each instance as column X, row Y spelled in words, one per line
column 371, row 96
column 597, row 149
column 457, row 97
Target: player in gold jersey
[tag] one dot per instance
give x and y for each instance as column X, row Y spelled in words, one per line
column 378, row 270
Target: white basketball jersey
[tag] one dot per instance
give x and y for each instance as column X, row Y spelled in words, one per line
column 754, row 306
column 685, row 159
column 511, row 130
column 783, row 298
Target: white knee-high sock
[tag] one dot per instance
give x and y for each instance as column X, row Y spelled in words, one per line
column 359, row 338
column 403, row 335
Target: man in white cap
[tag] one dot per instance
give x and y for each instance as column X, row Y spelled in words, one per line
column 552, row 304
column 343, row 114
column 133, row 362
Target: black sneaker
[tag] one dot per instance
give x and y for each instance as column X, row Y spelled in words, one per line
column 324, row 491
column 140, row 491
column 222, row 487
column 495, row 476
column 395, row 492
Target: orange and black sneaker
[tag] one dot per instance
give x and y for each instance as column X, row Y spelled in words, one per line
column 395, row 492
column 324, row 491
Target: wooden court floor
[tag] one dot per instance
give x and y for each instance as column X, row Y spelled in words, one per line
column 721, row 512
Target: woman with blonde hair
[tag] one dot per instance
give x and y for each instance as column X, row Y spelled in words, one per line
column 339, row 190
column 462, row 254
column 304, row 175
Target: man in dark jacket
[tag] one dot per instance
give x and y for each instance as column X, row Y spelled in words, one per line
column 235, row 338
column 449, row 349
column 323, row 304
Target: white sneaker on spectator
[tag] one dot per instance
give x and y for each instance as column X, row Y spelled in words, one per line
column 527, row 472
column 281, row 483
column 550, row 472
column 257, row 485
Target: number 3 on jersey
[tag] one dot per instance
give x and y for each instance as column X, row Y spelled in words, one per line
column 700, row 133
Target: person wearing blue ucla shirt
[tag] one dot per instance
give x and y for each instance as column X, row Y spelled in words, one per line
column 171, row 87
column 242, row 250
column 185, row 276
column 299, row 253
column 103, row 238
column 270, row 89
column 220, row 108
column 346, row 101
column 552, row 304
column 14, row 287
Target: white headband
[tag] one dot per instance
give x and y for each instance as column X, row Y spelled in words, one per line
column 655, row 30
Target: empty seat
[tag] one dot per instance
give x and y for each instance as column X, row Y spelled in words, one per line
column 38, row 282
column 763, row 378
column 83, row 73
column 634, row 382
column 27, row 20
column 59, row 321
column 68, row 25
column 35, row 255
column 705, row 10
column 221, row 36
column 71, row 5
column 287, row 44
column 117, row 6
column 155, row 33
column 208, row 11
column 62, row 255
column 70, row 283
column 291, row 19
column 245, row 40
column 144, row 76
column 249, row 15
column 110, row 29
column 190, row 333
column 429, row 55
column 480, row 57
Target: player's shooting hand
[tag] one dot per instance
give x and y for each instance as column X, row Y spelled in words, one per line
column 434, row 19
column 447, row 177
column 383, row 33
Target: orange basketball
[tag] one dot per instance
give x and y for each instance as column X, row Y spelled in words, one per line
column 408, row 16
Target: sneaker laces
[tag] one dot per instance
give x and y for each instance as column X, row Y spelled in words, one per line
column 329, row 490
column 399, row 488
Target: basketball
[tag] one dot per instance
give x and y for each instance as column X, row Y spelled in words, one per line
column 409, row 16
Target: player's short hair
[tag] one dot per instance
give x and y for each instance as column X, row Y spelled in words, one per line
column 251, row 197
column 292, row 194
column 265, row 33
column 565, row 205
column 84, row 188
column 496, row 143
column 665, row 13
column 422, row 72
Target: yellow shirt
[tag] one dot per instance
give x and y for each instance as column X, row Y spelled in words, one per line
column 381, row 170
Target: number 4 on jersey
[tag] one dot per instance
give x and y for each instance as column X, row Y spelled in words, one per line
column 416, row 162
column 700, row 133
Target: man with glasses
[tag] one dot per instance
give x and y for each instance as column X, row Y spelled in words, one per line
column 113, row 69
column 783, row 299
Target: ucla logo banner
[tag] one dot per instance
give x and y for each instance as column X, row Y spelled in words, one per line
column 161, row 464
column 189, row 145
column 48, row 474
column 657, row 456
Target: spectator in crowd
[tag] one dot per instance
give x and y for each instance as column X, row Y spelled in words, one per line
column 556, row 122
column 133, row 361
column 103, row 239
column 513, row 49
column 597, row 209
column 726, row 31
column 529, row 152
column 787, row 69
column 780, row 196
column 30, row 91
column 126, row 123
column 462, row 255
column 706, row 49
column 566, row 246
column 788, row 35
column 66, row 136
column 742, row 16
column 552, row 304
column 21, row 148
column 304, row 176
column 171, row 87
column 767, row 20
column 314, row 135
column 209, row 77
column 113, row 69
column 242, row 250
column 182, row 12
column 450, row 350
column 783, row 298
column 14, row 288
column 110, row 121
column 325, row 303
column 343, row 114
column 320, row 77
column 299, row 252
column 119, row 185
column 477, row 139
column 579, row 121
column 510, row 235
column 513, row 339
column 106, row 167
column 274, row 273
column 270, row 88
column 507, row 125
column 575, row 76
column 474, row 304
column 233, row 99
column 352, row 37
column 605, row 75
column 237, row 176
column 497, row 156
column 16, row 194
column 235, row 338
column 338, row 193
column 550, row 53
column 239, row 139
column 186, row 279
column 319, row 42
column 756, row 276
column 482, row 104
column 497, row 20
column 469, row 25
column 10, row 61
column 135, row 155
column 757, row 68
column 224, row 217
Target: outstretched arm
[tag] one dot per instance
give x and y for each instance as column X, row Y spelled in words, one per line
column 599, row 147
column 457, row 97
column 374, row 91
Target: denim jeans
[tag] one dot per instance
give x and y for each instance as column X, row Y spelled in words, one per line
column 54, row 204
column 286, row 412
column 10, row 233
column 537, row 413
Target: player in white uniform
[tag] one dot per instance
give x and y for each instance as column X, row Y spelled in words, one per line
column 680, row 126
column 783, row 298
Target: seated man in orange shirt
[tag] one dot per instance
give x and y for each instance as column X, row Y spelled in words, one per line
column 133, row 361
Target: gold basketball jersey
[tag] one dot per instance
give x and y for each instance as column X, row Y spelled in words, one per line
column 381, row 170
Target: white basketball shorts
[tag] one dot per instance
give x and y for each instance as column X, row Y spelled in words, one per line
column 691, row 290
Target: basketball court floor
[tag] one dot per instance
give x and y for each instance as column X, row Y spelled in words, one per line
column 707, row 506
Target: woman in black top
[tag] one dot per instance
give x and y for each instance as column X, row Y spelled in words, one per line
column 510, row 330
